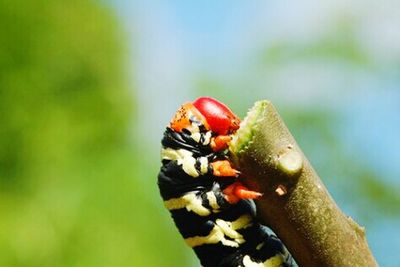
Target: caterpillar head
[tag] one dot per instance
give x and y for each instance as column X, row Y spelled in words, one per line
column 214, row 115
column 219, row 117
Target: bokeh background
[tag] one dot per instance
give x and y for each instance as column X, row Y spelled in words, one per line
column 87, row 87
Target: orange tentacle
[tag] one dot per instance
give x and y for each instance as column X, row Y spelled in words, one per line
column 220, row 142
column 223, row 168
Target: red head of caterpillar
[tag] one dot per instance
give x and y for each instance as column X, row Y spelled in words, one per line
column 218, row 116
column 214, row 115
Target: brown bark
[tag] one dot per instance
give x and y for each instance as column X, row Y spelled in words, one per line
column 295, row 203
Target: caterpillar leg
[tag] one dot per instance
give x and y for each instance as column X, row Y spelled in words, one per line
column 220, row 142
column 237, row 191
column 223, row 168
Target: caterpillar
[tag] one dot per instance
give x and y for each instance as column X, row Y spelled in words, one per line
column 213, row 211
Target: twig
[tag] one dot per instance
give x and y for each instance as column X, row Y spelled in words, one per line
column 295, row 203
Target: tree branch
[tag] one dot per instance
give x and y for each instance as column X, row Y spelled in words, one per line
column 295, row 204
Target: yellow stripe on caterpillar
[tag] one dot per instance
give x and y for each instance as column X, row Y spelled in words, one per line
column 229, row 228
column 221, row 230
column 212, row 201
column 175, row 154
column 228, row 231
column 275, row 261
column 189, row 166
column 207, row 138
column 203, row 165
column 193, row 128
column 189, row 201
column 216, row 235
column 196, row 137
column 242, row 222
column 186, row 159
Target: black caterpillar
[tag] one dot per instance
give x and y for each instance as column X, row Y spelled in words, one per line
column 214, row 212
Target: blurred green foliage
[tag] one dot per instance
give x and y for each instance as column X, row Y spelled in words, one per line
column 61, row 85
column 338, row 43
column 73, row 191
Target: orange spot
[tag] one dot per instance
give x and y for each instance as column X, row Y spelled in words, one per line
column 181, row 119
